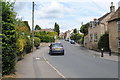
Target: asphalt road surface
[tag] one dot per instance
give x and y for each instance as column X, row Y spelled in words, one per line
column 78, row 62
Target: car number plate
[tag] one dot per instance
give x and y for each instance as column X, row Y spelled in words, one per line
column 57, row 48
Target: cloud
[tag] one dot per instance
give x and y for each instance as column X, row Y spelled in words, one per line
column 52, row 10
column 20, row 6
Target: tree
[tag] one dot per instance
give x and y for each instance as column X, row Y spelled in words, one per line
column 27, row 25
column 56, row 28
column 76, row 36
column 104, row 42
column 84, row 29
column 46, row 36
column 37, row 27
column 75, row 30
column 8, row 38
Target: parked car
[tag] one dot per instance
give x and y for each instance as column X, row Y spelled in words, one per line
column 56, row 48
column 72, row 42
column 67, row 39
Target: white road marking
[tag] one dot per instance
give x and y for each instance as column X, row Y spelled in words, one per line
column 38, row 58
column 54, row 68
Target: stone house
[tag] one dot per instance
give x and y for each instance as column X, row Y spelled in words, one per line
column 67, row 34
column 97, row 28
column 114, row 31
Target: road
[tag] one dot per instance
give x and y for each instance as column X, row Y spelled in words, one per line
column 78, row 62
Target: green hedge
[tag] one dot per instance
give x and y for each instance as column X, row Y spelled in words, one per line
column 8, row 38
column 28, row 46
column 46, row 36
column 104, row 42
column 36, row 41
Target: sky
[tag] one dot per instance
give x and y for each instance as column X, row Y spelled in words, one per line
column 69, row 14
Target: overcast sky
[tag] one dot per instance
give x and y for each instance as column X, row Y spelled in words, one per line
column 67, row 13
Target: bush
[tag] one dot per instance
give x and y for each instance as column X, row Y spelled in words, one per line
column 8, row 51
column 8, row 39
column 46, row 36
column 36, row 41
column 28, row 45
column 21, row 43
column 104, row 42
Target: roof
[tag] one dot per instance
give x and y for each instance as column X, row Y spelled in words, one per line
column 48, row 30
column 101, row 18
column 116, row 15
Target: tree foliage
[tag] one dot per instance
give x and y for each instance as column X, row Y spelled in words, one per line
column 56, row 28
column 27, row 25
column 37, row 27
column 28, row 46
column 21, row 43
column 46, row 36
column 36, row 41
column 8, row 38
column 75, row 30
column 23, row 37
column 104, row 42
column 84, row 29
column 76, row 37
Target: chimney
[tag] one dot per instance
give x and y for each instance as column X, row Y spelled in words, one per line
column 112, row 8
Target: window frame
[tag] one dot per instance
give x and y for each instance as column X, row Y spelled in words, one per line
column 91, row 37
column 95, row 37
column 118, row 42
column 91, row 25
column 118, row 23
column 95, row 24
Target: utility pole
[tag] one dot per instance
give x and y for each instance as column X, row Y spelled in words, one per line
column 33, row 26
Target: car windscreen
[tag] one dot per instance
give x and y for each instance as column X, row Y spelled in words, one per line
column 57, row 45
column 73, row 41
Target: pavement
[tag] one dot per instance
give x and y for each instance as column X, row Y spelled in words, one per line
column 98, row 54
column 34, row 65
column 105, row 55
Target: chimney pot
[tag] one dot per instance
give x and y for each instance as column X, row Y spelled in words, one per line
column 112, row 8
column 111, row 3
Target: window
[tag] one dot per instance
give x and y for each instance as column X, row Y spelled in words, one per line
column 95, row 37
column 91, row 25
column 119, row 43
column 95, row 23
column 91, row 37
column 118, row 23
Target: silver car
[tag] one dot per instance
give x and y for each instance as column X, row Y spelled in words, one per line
column 56, row 48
